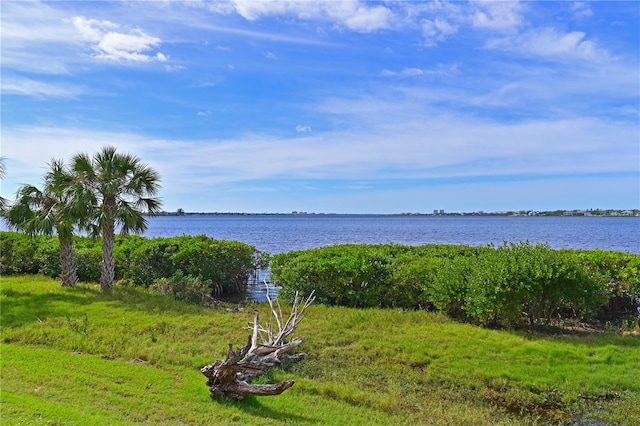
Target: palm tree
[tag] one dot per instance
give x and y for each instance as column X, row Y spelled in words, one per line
column 120, row 188
column 50, row 210
column 3, row 201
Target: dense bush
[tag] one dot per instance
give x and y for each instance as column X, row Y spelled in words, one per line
column 512, row 285
column 223, row 265
column 151, row 260
column 623, row 269
column 188, row 288
column 351, row 275
column 18, row 253
column 519, row 283
column 227, row 264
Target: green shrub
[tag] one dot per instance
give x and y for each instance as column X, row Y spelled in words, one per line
column 122, row 250
column 511, row 285
column 152, row 260
column 347, row 275
column 224, row 265
column 227, row 264
column 18, row 253
column 188, row 288
column 89, row 261
column 48, row 257
column 518, row 283
column 622, row 271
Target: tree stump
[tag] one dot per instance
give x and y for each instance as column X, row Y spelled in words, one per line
column 231, row 379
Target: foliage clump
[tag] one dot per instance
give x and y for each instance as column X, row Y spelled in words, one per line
column 511, row 285
column 223, row 267
column 187, row 288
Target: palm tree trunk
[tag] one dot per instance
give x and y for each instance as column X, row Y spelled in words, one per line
column 108, row 271
column 69, row 276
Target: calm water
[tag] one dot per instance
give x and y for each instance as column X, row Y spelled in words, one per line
column 282, row 233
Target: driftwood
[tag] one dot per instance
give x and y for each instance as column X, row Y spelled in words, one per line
column 231, row 379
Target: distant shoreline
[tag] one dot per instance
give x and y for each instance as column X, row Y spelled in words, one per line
column 521, row 213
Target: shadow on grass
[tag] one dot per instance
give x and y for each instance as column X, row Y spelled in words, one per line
column 21, row 307
column 589, row 337
column 252, row 406
column 142, row 300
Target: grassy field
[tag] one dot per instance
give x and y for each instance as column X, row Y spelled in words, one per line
column 80, row 356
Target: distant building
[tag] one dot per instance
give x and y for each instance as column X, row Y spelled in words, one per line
column 180, row 212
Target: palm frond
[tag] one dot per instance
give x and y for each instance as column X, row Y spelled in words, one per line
column 130, row 219
column 151, row 206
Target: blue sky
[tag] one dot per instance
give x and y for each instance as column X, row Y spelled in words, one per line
column 335, row 106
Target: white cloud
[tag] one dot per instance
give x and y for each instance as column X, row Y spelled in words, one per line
column 496, row 15
column 366, row 19
column 270, row 55
column 437, row 30
column 352, row 14
column 548, row 42
column 92, row 29
column 303, row 129
column 108, row 44
column 441, row 70
column 581, row 10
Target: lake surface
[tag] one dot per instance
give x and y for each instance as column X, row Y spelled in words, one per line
column 283, row 233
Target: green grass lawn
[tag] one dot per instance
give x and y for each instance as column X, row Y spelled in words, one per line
column 82, row 356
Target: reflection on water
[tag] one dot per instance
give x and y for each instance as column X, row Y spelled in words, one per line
column 256, row 289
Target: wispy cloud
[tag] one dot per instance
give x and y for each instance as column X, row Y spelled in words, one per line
column 440, row 70
column 38, row 89
column 581, row 9
column 551, row 43
column 35, row 38
column 496, row 15
column 437, row 30
column 443, row 146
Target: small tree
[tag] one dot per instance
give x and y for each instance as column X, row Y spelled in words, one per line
column 51, row 210
column 119, row 189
